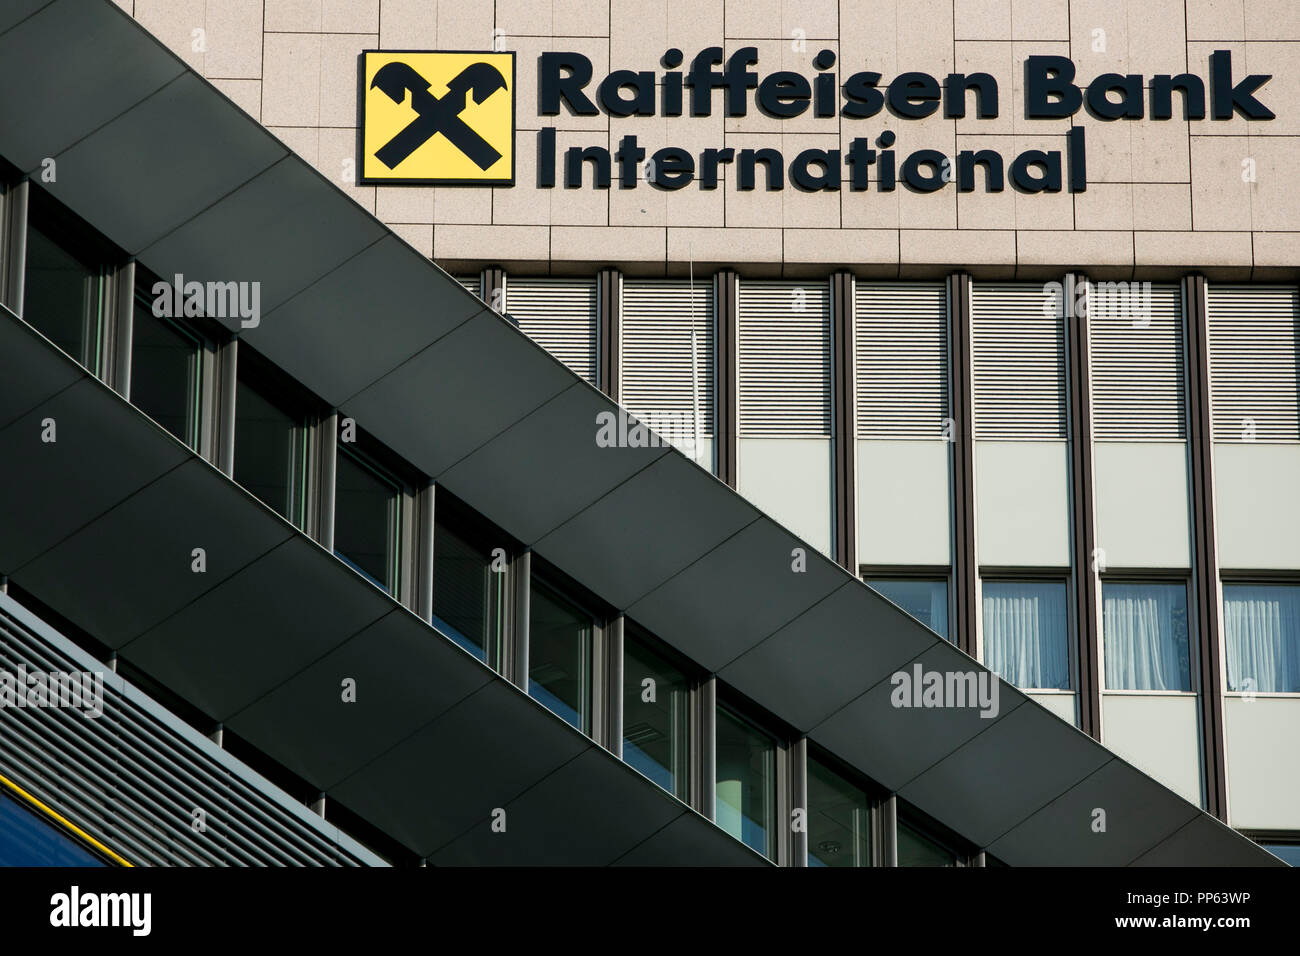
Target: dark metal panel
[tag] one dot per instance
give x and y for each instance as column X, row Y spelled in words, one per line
column 285, row 229
column 828, row 656
column 844, row 415
column 15, row 11
column 609, row 300
column 965, row 563
column 450, row 775
column 666, row 516
column 101, row 455
column 1138, row 812
column 726, row 315
column 69, row 70
column 405, row 676
column 107, row 584
column 691, row 840
column 475, row 382
column 34, row 370
column 892, row 745
column 1005, row 773
column 566, row 819
column 386, row 297
column 512, row 477
column 257, row 629
column 1205, row 842
column 732, row 598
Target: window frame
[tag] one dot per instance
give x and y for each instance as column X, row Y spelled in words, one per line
column 1134, row 576
column 786, row 765
column 916, row 572
column 596, row 659
column 1064, row 576
column 878, row 844
column 695, row 679
column 1261, row 578
column 367, row 455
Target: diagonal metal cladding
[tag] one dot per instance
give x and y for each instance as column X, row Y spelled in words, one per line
column 461, row 394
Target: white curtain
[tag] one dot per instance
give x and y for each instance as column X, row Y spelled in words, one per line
column 1144, row 630
column 1262, row 627
column 1026, row 633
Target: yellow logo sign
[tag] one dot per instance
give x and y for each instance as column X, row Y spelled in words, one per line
column 438, row 118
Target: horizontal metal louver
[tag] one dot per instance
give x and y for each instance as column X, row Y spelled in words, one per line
column 1138, row 384
column 665, row 322
column 134, row 776
column 785, row 360
column 471, row 284
column 1254, row 362
column 1018, row 348
column 901, row 350
column 560, row 316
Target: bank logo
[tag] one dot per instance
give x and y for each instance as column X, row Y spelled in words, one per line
column 438, row 118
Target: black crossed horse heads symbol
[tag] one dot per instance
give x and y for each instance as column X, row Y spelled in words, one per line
column 438, row 114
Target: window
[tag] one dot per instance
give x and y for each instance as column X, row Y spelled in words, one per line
column 927, row 601
column 30, row 839
column 165, row 372
column 1288, row 853
column 559, row 655
column 656, row 717
column 367, row 516
column 63, row 294
column 917, row 849
column 270, row 446
column 746, row 783
column 1261, row 624
column 1144, row 636
column 839, row 819
column 1026, row 633
column 468, row 594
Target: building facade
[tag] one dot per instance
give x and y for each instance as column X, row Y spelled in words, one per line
column 1025, row 365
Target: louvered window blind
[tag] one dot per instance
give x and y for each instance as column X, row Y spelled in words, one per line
column 1254, row 377
column 1018, row 345
column 1138, row 384
column 901, row 349
column 471, row 283
column 660, row 383
column 785, row 362
column 560, row 316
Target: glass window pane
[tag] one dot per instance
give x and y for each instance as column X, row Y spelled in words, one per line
column 656, row 699
column 1144, row 636
column 927, row 601
column 165, row 373
column 1261, row 623
column 1288, row 853
column 917, row 849
column 467, row 593
column 366, row 509
column 559, row 656
column 27, row 839
column 839, row 820
column 746, row 787
column 61, row 297
column 1026, row 633
column 264, row 450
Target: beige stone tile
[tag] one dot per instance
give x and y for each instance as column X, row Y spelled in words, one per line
column 524, row 17
column 339, row 56
column 291, row 86
column 862, row 250
column 303, row 140
column 607, row 244
column 887, row 38
column 293, row 16
column 409, row 25
column 1216, row 20
column 723, row 246
column 754, row 19
column 525, row 203
column 1272, row 20
column 351, row 16
column 234, row 39
column 418, row 235
column 1198, row 57
column 1094, row 251
column 127, row 5
column 1159, row 206
column 980, row 208
column 1280, row 94
column 982, row 19
column 818, row 19
column 1209, row 251
column 246, row 94
column 179, row 24
column 528, row 50
column 758, row 207
column 580, row 18
column 490, row 243
column 466, row 26
column 919, row 210
column 338, row 161
column 1220, row 198
column 1116, row 36
column 1104, row 206
column 1042, row 210
column 870, row 208
column 586, row 206
column 1005, row 62
column 957, row 248
column 1109, row 147
column 405, row 204
column 1040, row 19
column 812, row 210
column 1275, row 197
column 462, row 205
column 643, row 31
column 1160, row 151
column 1277, row 250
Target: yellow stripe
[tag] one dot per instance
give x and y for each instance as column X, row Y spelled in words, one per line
column 63, row 821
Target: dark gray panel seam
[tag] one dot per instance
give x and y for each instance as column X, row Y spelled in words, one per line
column 49, row 398
column 38, row 10
column 763, row 640
column 646, row 839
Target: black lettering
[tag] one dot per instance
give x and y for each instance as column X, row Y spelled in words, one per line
column 552, row 88
column 1046, row 77
column 642, row 104
column 784, row 94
